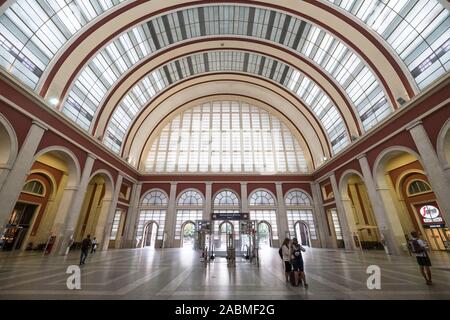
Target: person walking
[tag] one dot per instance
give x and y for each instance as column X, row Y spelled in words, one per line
column 85, row 245
column 286, row 257
column 297, row 262
column 419, row 249
column 94, row 245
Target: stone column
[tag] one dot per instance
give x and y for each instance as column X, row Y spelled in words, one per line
column 244, row 197
column 347, row 230
column 14, row 182
column 118, row 240
column 69, row 209
column 438, row 177
column 171, row 216
column 388, row 224
column 283, row 227
column 105, row 222
column 128, row 240
column 320, row 218
column 208, row 202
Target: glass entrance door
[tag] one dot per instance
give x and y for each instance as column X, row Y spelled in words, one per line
column 18, row 226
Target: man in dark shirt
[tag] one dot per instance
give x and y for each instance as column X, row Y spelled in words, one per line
column 85, row 245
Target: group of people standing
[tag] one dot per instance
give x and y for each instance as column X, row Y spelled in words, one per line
column 87, row 244
column 291, row 253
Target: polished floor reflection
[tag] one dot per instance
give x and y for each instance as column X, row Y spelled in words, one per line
column 178, row 274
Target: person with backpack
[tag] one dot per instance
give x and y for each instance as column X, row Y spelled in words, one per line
column 418, row 249
column 285, row 256
column 297, row 262
column 94, row 245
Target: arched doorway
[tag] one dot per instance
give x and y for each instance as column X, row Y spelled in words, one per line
column 153, row 209
column 393, row 170
column 150, row 234
column 189, row 210
column 424, row 210
column 58, row 170
column 95, row 208
column 263, row 210
column 264, row 235
column 301, row 220
column 8, row 148
column 28, row 213
column 302, row 233
column 225, row 231
column 188, row 235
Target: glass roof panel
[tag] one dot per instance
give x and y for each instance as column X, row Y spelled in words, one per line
column 225, row 137
column 320, row 47
column 233, row 61
column 32, row 32
column 418, row 31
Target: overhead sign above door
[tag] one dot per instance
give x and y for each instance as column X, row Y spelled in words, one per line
column 230, row 216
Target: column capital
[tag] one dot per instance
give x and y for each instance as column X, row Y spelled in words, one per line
column 278, row 183
column 39, row 124
column 173, row 184
column 208, row 183
column 361, row 156
column 244, row 183
column 413, row 124
column 92, row 156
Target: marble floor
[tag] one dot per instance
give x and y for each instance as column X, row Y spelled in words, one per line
column 178, row 274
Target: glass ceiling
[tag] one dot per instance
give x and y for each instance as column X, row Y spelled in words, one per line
column 324, row 50
column 418, row 31
column 32, row 32
column 223, row 137
column 235, row 61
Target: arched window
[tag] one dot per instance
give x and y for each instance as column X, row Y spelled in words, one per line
column 418, row 187
column 226, row 198
column 226, row 202
column 262, row 208
column 297, row 198
column 190, row 198
column 225, row 136
column 189, row 208
column 261, row 198
column 34, row 187
column 298, row 208
column 155, row 198
column 153, row 208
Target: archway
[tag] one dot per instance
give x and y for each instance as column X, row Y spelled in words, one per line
column 153, row 209
column 390, row 169
column 264, row 235
column 8, row 148
column 423, row 209
column 359, row 212
column 28, row 213
column 443, row 147
column 302, row 233
column 95, row 208
column 225, row 231
column 188, row 235
column 61, row 170
column 150, row 233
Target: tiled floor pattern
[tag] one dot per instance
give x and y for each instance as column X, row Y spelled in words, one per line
column 178, row 274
